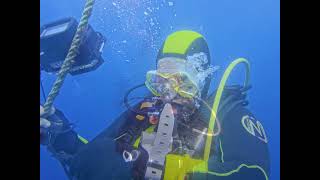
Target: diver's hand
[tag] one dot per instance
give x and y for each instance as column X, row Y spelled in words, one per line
column 45, row 124
column 42, row 114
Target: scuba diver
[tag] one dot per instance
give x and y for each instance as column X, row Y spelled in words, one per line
column 172, row 133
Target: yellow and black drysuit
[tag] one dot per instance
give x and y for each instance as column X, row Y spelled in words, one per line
column 238, row 151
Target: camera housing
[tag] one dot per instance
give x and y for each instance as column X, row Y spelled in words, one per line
column 56, row 39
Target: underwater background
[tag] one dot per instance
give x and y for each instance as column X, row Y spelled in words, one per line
column 135, row 30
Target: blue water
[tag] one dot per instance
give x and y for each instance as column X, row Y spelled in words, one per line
column 135, row 30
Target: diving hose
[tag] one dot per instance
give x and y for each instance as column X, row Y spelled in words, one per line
column 218, row 98
column 126, row 101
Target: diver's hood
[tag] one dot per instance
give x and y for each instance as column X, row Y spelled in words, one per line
column 190, row 46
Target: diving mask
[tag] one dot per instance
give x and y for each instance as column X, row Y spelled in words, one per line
column 180, row 82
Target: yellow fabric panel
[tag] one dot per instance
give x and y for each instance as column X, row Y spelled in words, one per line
column 179, row 42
